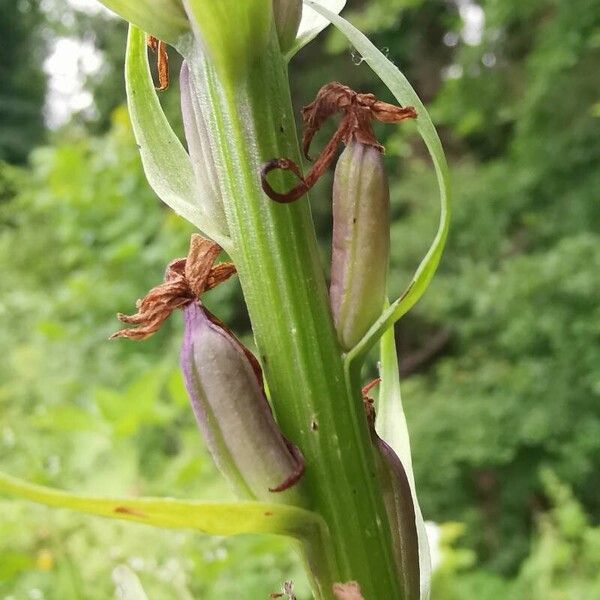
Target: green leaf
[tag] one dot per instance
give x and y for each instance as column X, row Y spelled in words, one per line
column 164, row 19
column 390, row 425
column 233, row 32
column 313, row 23
column 167, row 165
column 406, row 95
column 215, row 518
column 127, row 584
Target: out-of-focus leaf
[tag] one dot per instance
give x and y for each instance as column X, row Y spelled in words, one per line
column 127, row 584
column 406, row 95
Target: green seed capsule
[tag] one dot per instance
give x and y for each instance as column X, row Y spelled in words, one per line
column 287, row 14
column 361, row 241
column 226, row 394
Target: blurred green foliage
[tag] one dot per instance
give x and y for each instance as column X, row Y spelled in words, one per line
column 23, row 86
column 82, row 237
column 501, row 360
column 562, row 564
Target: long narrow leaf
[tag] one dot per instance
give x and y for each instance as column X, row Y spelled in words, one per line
column 208, row 517
column 391, row 426
column 167, row 165
column 406, row 95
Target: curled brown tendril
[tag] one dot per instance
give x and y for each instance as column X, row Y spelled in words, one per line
column 185, row 280
column 162, row 61
column 359, row 110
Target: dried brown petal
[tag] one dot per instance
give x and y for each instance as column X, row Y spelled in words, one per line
column 185, row 280
column 162, row 61
column 358, row 110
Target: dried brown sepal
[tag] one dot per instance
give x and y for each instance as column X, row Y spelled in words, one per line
column 359, row 110
column 185, row 280
column 162, row 61
column 347, row 591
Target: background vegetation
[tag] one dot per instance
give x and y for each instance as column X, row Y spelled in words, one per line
column 501, row 360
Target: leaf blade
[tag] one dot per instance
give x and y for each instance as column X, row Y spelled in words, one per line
column 207, row 517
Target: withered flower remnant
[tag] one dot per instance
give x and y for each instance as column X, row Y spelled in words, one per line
column 223, row 380
column 162, row 61
column 361, row 221
column 358, row 111
column 186, row 279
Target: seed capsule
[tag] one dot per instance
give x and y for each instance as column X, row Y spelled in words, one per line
column 400, row 509
column 399, row 506
column 223, row 381
column 361, row 241
column 198, row 141
column 287, row 14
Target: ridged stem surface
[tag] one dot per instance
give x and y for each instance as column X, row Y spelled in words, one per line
column 275, row 251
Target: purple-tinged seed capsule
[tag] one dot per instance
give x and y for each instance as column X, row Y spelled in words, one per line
column 223, row 382
column 399, row 506
column 397, row 497
column 198, row 142
column 361, row 241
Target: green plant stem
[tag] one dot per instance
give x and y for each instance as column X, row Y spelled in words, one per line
column 275, row 251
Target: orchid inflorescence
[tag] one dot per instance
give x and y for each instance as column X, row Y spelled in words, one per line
column 224, row 379
column 299, row 441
